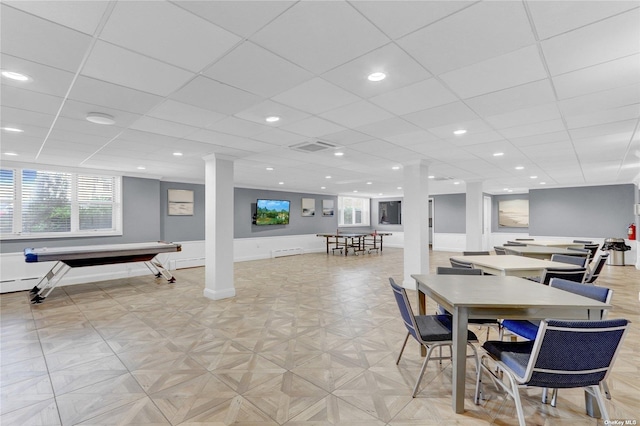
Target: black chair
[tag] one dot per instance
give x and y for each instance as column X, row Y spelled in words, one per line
column 525, row 239
column 583, row 242
column 598, row 264
column 460, row 264
column 513, row 244
column 475, row 253
column 431, row 331
column 500, row 250
column 573, row 260
column 481, row 322
column 572, row 274
column 593, row 248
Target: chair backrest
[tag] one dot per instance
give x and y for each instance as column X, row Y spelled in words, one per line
column 601, row 294
column 460, row 264
column 572, row 354
column 565, row 258
column 593, row 248
column 500, row 250
column 405, row 309
column 580, row 250
column 583, row 241
column 442, row 270
column 571, row 274
column 476, row 253
column 513, row 243
column 524, row 239
column 597, row 268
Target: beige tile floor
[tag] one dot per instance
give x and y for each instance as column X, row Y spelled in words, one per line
column 308, row 340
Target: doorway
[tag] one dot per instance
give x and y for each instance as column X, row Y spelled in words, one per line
column 486, row 223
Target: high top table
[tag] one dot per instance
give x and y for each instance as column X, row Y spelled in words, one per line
column 468, row 296
column 517, row 266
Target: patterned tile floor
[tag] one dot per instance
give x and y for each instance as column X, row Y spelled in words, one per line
column 308, row 340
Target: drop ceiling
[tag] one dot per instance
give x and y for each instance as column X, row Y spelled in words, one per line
column 554, row 86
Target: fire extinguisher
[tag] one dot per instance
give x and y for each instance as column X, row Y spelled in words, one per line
column 632, row 231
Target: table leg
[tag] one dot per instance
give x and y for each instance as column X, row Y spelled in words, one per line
column 459, row 351
column 327, row 245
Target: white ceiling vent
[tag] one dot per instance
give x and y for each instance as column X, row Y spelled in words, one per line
column 441, row 178
column 313, row 146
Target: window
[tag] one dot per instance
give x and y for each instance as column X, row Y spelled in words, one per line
column 353, row 211
column 47, row 204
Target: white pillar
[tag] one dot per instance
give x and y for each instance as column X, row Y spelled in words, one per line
column 415, row 220
column 474, row 216
column 218, row 228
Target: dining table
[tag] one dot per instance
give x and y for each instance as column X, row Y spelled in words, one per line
column 541, row 252
column 487, row 296
column 553, row 243
column 512, row 265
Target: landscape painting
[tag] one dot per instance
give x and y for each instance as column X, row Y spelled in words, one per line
column 513, row 213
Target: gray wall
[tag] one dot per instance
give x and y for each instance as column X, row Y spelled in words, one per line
column 494, row 213
column 591, row 211
column 140, row 215
column 449, row 214
column 245, row 206
column 182, row 228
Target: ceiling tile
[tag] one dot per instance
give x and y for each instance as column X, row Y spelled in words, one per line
column 13, row 116
column 603, row 117
column 238, row 127
column 259, row 112
column 474, row 34
column 51, row 81
column 27, row 100
column 522, row 116
column 256, row 70
column 240, row 17
column 400, row 68
column 356, row 114
column 473, row 128
column 601, row 101
column 556, row 17
column 117, row 65
column 346, row 137
column 163, row 127
column 626, row 127
column 316, row 96
column 83, row 16
column 540, row 138
column 313, row 127
column 311, row 43
column 186, row 114
column 34, row 39
column 78, row 111
column 453, row 113
column 412, row 139
column 513, row 98
column 208, row 94
column 508, row 70
column 397, row 18
column 384, row 129
column 617, row 73
column 279, row 137
column 539, row 128
column 415, row 97
column 609, row 39
column 96, row 92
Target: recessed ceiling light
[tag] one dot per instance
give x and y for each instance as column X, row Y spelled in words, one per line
column 533, row 177
column 12, row 129
column 506, row 189
column 280, row 183
column 15, row 76
column 519, row 167
column 510, row 190
column 431, row 177
column 177, row 154
column 141, row 168
column 456, row 183
column 355, row 190
column 395, row 168
column 377, row 76
column 338, row 154
column 379, row 193
column 99, row 118
column 327, row 177
column 399, row 187
column 270, row 168
column 323, row 187
column 369, row 183
column 272, row 119
column 10, row 154
column 543, row 183
column 459, row 132
column 498, row 154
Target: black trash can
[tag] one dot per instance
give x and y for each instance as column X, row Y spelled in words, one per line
column 616, row 248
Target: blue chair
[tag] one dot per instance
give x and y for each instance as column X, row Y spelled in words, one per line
column 460, row 264
column 475, row 253
column 565, row 354
column 571, row 274
column 501, row 251
column 594, row 273
column 431, row 331
column 580, row 261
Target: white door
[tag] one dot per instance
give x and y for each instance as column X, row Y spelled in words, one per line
column 486, row 224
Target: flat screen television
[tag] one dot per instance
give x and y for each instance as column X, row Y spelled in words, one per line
column 272, row 212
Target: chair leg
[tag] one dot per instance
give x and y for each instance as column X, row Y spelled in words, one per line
column 402, row 349
column 554, row 397
column 545, row 395
column 605, row 389
column 424, row 367
column 595, row 391
column 515, row 393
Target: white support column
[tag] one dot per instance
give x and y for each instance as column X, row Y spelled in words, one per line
column 474, row 216
column 218, row 228
column 415, row 220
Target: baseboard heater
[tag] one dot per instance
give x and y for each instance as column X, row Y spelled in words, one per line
column 287, row 252
column 186, row 263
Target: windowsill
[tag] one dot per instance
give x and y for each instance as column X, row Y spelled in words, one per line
column 50, row 235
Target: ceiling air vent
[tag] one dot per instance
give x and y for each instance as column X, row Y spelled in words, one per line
column 441, row 178
column 313, row 146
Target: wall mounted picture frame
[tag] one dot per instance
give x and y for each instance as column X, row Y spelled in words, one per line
column 180, row 202
column 328, row 208
column 308, row 207
column 513, row 214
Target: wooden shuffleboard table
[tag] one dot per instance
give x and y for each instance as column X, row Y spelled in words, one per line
column 82, row 256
